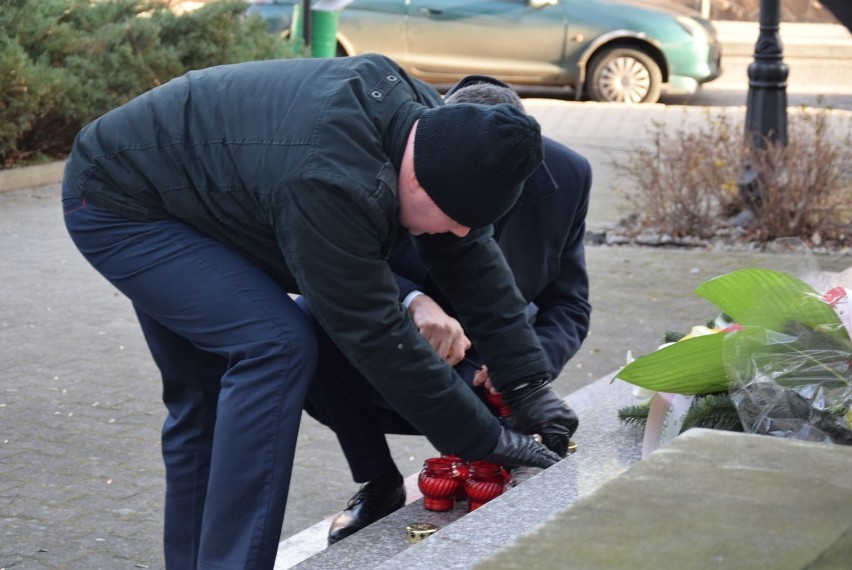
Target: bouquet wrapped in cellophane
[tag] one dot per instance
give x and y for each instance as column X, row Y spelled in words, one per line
column 781, row 364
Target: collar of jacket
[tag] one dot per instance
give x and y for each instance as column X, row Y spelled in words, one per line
column 397, row 136
column 540, row 184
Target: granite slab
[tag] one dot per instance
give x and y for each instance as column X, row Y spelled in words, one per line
column 708, row 499
column 605, row 449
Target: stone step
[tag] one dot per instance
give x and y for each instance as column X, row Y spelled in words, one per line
column 707, row 499
column 605, row 450
column 312, row 540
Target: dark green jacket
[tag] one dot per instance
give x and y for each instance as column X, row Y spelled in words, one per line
column 295, row 163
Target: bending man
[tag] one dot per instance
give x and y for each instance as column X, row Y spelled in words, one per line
column 207, row 200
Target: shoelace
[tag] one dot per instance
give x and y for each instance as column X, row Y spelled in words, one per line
column 366, row 490
column 360, row 496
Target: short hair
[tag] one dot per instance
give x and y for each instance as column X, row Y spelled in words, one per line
column 485, row 94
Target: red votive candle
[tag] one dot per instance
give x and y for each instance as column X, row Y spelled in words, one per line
column 496, row 402
column 486, row 481
column 439, row 484
column 461, row 470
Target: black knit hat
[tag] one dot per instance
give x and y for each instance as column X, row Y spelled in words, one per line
column 472, row 159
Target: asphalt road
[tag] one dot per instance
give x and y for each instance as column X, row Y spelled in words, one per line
column 810, row 82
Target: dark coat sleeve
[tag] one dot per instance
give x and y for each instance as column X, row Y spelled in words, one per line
column 409, row 271
column 335, row 246
column 564, row 311
column 474, row 276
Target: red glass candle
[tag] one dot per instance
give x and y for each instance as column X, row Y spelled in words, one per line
column 439, row 484
column 496, row 402
column 461, row 470
column 486, row 481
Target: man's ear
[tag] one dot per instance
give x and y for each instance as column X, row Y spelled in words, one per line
column 411, row 185
column 407, row 177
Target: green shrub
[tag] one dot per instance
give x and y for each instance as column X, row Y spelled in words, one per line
column 64, row 63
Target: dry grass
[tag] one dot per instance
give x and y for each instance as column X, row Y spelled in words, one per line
column 807, row 185
column 687, row 181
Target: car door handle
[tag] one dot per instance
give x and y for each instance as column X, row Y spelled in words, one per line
column 431, row 11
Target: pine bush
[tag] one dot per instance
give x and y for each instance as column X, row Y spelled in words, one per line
column 66, row 62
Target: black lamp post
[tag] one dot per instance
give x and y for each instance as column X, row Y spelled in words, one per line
column 766, row 107
column 306, row 22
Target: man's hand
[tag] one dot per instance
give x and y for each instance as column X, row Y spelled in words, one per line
column 537, row 408
column 443, row 332
column 481, row 377
column 514, row 449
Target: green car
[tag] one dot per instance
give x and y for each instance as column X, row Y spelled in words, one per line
column 604, row 50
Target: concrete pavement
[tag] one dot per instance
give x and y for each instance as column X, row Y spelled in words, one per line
column 81, row 479
column 80, row 471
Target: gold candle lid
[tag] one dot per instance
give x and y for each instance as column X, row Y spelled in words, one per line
column 415, row 532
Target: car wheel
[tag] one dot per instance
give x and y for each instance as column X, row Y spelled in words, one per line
column 624, row 75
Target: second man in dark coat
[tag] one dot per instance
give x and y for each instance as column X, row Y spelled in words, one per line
column 541, row 238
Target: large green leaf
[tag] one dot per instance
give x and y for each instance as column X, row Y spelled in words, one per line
column 772, row 300
column 778, row 309
column 691, row 366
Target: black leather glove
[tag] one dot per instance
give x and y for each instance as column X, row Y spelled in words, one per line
column 514, row 449
column 537, row 408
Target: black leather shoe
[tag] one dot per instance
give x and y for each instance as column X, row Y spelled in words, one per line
column 372, row 502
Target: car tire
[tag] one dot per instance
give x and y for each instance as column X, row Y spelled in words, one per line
column 624, row 75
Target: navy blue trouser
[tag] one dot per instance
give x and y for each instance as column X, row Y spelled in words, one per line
column 341, row 398
column 236, row 356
